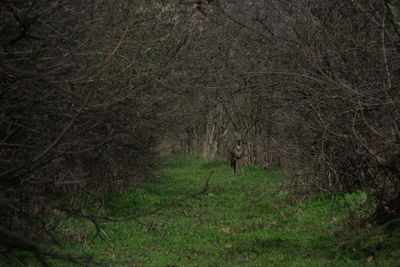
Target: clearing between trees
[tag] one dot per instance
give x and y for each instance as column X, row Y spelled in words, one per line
column 197, row 214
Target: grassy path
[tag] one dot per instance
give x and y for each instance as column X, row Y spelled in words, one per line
column 239, row 221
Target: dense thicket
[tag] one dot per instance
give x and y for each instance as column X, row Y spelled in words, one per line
column 81, row 105
column 89, row 87
column 312, row 85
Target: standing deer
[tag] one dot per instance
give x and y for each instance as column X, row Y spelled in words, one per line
column 236, row 152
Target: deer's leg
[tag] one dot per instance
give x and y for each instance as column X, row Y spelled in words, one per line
column 240, row 168
column 232, row 163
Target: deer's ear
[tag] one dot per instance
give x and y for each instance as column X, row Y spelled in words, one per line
column 238, row 136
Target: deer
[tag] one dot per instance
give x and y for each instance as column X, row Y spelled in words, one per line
column 236, row 152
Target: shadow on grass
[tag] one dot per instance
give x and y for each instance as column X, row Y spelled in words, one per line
column 213, row 164
column 177, row 160
column 266, row 245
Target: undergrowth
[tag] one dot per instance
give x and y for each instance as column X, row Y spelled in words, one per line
column 196, row 214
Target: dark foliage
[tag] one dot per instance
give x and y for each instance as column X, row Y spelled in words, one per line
column 69, row 123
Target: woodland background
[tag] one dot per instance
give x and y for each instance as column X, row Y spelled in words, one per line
column 92, row 92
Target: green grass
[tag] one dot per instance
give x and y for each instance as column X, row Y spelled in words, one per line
column 240, row 221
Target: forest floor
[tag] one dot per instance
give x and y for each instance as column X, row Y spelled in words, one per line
column 245, row 220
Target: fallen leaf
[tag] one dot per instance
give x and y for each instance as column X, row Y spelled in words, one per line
column 226, row 230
